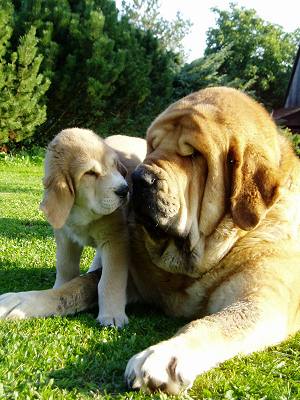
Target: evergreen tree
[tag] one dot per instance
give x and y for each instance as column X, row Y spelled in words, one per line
column 105, row 72
column 22, row 87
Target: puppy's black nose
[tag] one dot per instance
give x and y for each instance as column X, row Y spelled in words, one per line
column 142, row 178
column 122, row 191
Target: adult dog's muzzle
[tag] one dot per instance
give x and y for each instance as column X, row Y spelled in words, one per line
column 155, row 207
column 144, row 193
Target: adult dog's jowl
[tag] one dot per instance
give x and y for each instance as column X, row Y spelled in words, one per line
column 214, row 236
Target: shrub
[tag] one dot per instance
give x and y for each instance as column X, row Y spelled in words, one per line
column 106, row 74
column 22, row 87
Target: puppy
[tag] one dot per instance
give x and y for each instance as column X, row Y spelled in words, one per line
column 84, row 201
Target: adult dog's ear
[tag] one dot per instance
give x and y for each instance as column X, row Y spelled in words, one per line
column 121, row 168
column 255, row 185
column 58, row 198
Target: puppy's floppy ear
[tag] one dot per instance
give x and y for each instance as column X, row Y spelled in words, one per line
column 121, row 168
column 58, row 198
column 255, row 185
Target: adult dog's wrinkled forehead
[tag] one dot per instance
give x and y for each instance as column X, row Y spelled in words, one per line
column 212, row 119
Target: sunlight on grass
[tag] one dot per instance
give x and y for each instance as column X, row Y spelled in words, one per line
column 73, row 358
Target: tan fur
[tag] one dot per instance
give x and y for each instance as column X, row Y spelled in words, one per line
column 246, row 272
column 216, row 238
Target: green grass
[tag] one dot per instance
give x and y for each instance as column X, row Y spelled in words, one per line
column 72, row 357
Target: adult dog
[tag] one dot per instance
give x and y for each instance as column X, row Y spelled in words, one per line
column 214, row 236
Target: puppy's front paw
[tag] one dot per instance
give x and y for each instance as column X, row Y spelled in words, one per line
column 167, row 366
column 16, row 305
column 117, row 320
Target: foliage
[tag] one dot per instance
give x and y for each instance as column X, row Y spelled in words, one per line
column 145, row 14
column 293, row 137
column 114, row 72
column 103, row 70
column 261, row 52
column 204, row 72
column 24, row 155
column 296, row 142
column 22, row 86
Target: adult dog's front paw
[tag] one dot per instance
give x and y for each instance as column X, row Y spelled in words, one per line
column 168, row 366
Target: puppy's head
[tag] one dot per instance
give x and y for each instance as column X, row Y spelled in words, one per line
column 81, row 170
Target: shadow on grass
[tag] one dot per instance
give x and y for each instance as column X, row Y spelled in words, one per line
column 24, row 228
column 16, row 278
column 100, row 370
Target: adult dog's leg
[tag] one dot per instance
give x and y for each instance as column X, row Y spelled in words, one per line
column 68, row 255
column 76, row 295
column 247, row 325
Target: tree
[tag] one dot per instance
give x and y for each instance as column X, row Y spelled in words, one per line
column 204, row 72
column 260, row 52
column 103, row 69
column 22, row 87
column 145, row 15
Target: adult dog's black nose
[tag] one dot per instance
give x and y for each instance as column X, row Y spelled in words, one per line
column 144, row 191
column 143, row 179
column 144, row 196
column 122, row 191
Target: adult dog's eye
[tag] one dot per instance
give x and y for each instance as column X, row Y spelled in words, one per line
column 231, row 157
column 186, row 150
column 92, row 173
column 195, row 154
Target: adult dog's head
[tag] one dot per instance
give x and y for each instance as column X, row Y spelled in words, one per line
column 81, row 170
column 212, row 153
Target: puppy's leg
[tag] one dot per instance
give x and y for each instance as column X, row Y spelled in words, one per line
column 97, row 262
column 68, row 255
column 249, row 324
column 77, row 295
column 113, row 284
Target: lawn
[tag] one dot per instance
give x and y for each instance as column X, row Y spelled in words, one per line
column 73, row 357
